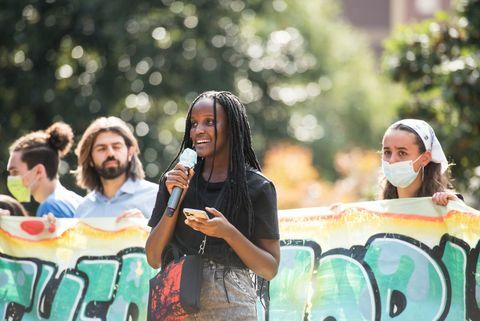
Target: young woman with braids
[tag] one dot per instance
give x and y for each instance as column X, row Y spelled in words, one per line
column 414, row 164
column 33, row 170
column 242, row 232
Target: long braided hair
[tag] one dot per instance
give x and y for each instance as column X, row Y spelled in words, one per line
column 242, row 154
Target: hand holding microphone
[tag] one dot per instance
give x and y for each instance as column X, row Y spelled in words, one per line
column 188, row 159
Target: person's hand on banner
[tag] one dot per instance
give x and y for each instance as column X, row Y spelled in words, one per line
column 134, row 212
column 50, row 222
column 442, row 198
column 336, row 207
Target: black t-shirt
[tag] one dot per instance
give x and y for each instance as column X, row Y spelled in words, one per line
column 200, row 194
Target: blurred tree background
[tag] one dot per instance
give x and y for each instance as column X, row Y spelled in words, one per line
column 438, row 61
column 308, row 80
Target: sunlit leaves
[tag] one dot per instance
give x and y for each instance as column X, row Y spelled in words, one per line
column 439, row 62
column 302, row 74
column 300, row 184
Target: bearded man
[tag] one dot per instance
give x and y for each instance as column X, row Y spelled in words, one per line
column 109, row 167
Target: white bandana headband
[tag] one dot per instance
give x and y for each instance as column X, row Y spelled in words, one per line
column 426, row 133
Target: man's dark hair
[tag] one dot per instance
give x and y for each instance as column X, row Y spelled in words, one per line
column 45, row 147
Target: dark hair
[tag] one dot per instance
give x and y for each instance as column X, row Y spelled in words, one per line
column 12, row 205
column 241, row 154
column 433, row 179
column 87, row 176
column 45, row 147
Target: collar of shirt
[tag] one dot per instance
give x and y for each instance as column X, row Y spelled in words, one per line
column 129, row 187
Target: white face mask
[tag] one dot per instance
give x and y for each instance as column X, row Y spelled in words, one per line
column 400, row 174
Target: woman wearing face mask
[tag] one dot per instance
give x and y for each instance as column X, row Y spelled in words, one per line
column 414, row 164
column 33, row 168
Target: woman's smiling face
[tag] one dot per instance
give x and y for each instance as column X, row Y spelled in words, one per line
column 202, row 131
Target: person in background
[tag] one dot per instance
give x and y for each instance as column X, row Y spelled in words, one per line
column 109, row 167
column 11, row 207
column 242, row 231
column 33, row 170
column 414, row 163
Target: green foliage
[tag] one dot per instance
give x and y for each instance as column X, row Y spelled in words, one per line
column 304, row 75
column 438, row 62
column 337, row 103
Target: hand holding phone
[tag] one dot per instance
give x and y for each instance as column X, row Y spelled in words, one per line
column 194, row 213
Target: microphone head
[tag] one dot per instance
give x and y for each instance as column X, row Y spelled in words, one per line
column 188, row 158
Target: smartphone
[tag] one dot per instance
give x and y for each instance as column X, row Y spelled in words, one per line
column 191, row 212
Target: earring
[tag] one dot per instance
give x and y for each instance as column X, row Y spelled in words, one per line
column 423, row 172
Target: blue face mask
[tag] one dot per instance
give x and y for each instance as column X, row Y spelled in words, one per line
column 400, row 174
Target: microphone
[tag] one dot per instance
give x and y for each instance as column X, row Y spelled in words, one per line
column 188, row 158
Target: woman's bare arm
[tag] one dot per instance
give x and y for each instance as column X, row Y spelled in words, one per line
column 161, row 234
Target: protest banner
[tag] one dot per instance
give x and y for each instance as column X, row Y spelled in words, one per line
column 401, row 259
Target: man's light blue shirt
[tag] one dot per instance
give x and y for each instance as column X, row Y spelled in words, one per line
column 61, row 203
column 139, row 194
